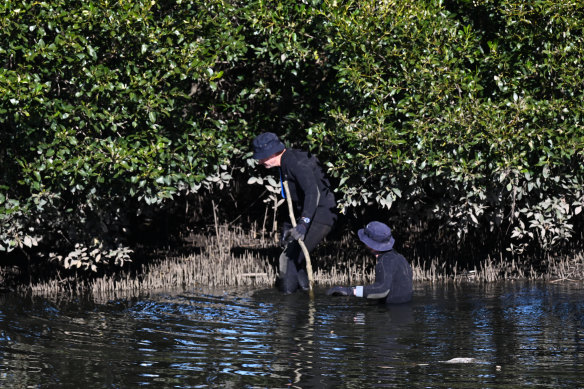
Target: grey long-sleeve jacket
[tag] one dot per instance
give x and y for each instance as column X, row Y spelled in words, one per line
column 393, row 280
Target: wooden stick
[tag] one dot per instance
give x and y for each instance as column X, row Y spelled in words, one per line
column 300, row 242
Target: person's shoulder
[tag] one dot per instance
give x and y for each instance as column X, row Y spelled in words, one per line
column 291, row 157
column 292, row 153
column 393, row 255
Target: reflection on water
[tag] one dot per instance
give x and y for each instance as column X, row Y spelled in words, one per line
column 516, row 333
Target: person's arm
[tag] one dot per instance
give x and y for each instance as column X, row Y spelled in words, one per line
column 382, row 285
column 301, row 173
column 306, row 182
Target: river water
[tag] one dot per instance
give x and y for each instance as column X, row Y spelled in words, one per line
column 489, row 336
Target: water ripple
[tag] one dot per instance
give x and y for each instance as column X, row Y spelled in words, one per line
column 512, row 334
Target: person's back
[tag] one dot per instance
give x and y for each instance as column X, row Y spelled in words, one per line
column 304, row 171
column 400, row 271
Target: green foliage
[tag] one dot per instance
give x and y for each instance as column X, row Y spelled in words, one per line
column 468, row 113
column 465, row 113
column 105, row 103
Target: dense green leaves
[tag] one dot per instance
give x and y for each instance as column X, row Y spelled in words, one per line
column 470, row 109
column 107, row 101
column 465, row 113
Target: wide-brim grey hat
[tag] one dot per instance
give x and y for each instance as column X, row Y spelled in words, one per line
column 377, row 236
column 266, row 144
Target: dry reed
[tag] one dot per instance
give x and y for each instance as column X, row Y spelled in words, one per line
column 234, row 257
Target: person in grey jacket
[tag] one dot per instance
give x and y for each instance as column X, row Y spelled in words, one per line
column 393, row 274
column 312, row 199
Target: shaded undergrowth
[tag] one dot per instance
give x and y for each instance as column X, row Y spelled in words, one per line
column 237, row 257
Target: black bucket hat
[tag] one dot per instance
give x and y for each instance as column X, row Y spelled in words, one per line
column 266, row 144
column 377, row 236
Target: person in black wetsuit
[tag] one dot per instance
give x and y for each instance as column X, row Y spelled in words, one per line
column 393, row 274
column 312, row 199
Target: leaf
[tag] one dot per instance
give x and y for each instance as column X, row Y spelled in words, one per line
column 272, row 182
column 152, row 116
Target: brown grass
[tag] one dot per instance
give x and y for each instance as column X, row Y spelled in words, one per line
column 233, row 257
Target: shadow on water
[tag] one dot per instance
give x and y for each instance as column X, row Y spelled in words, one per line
column 494, row 335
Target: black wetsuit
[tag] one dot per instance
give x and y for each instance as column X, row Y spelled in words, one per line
column 312, row 198
column 309, row 187
column 393, row 279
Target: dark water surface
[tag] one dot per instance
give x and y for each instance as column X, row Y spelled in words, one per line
column 519, row 334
